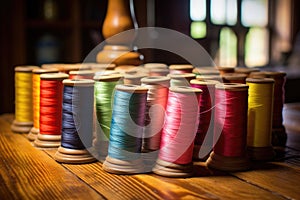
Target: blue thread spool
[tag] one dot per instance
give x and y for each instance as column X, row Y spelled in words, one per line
column 124, row 152
column 77, row 122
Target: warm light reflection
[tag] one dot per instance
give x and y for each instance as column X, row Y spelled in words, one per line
column 254, row 12
column 257, row 47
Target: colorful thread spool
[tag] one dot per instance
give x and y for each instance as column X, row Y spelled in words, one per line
column 209, row 77
column 204, row 138
column 260, row 109
column 181, row 69
column 51, row 91
column 104, row 92
column 81, row 74
column 279, row 136
column 159, row 72
column 224, row 70
column 36, row 100
column 77, row 122
column 157, row 97
column 124, row 152
column 178, row 134
column 134, row 79
column 245, row 70
column 155, row 66
column 23, row 99
column 230, row 128
column 206, row 71
column 234, row 78
column 181, row 79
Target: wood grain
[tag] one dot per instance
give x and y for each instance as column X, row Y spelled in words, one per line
column 280, row 178
column 28, row 173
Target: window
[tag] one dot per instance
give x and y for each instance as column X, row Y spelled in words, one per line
column 242, row 27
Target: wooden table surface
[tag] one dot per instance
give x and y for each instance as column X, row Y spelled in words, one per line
column 27, row 172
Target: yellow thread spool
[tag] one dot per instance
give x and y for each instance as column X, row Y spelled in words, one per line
column 23, row 99
column 36, row 100
column 260, row 110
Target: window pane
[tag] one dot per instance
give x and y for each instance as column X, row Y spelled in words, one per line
column 228, row 48
column 198, row 30
column 256, row 47
column 197, row 10
column 254, row 12
column 224, row 11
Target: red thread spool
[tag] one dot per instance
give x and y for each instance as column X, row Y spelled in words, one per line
column 230, row 131
column 51, row 90
column 279, row 136
column 205, row 128
column 177, row 140
column 81, row 74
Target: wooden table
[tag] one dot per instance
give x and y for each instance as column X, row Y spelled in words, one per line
column 31, row 173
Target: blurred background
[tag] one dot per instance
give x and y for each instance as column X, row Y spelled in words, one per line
column 251, row 33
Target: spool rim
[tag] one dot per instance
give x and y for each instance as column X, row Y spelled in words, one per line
column 132, row 88
column 28, row 68
column 232, row 86
column 185, row 89
column 205, row 82
column 42, row 71
column 182, row 76
column 108, row 77
column 78, row 82
column 155, row 79
column 260, row 80
column 54, row 76
column 181, row 66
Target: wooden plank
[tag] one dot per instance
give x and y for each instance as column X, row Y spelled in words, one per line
column 281, row 178
column 28, row 173
column 207, row 184
column 111, row 186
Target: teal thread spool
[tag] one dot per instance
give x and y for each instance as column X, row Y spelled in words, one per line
column 124, row 152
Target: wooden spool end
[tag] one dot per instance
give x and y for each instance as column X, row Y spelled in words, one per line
column 225, row 163
column 168, row 169
column 261, row 153
column 47, row 141
column 33, row 134
column 21, row 127
column 116, row 166
column 132, row 88
column 73, row 156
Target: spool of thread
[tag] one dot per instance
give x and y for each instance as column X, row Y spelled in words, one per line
column 230, row 130
column 98, row 66
column 260, row 109
column 157, row 97
column 36, row 100
column 209, row 77
column 104, row 91
column 279, row 136
column 134, row 79
column 204, row 137
column 179, row 131
column 81, row 74
column 124, row 68
column 158, row 72
column 224, row 70
column 181, row 69
column 234, row 78
column 124, row 153
column 206, row 71
column 259, row 74
column 77, row 122
column 245, row 70
column 23, row 121
column 155, row 66
column 181, row 79
column 51, row 91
